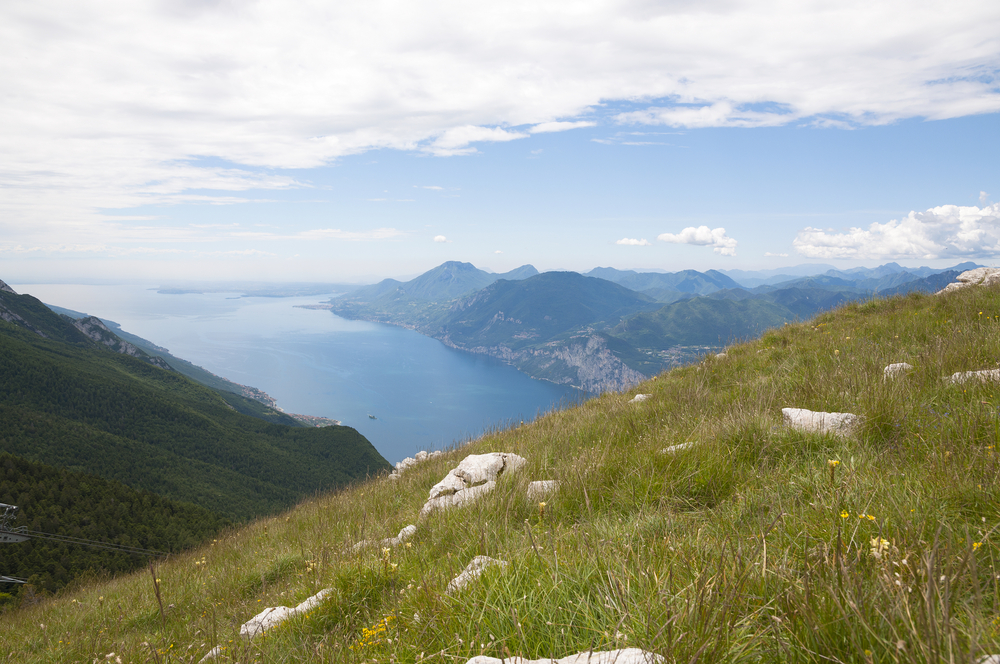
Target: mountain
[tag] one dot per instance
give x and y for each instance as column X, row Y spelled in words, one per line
column 730, row 315
column 700, row 321
column 537, row 310
column 71, row 402
column 444, row 282
column 669, row 286
column 696, row 523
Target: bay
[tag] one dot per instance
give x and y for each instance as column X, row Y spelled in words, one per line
column 423, row 394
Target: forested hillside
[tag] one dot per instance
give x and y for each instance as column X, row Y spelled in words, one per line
column 61, row 502
column 74, row 404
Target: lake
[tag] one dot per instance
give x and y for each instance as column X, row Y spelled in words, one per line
column 424, row 395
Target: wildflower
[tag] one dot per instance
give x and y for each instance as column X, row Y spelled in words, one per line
column 844, row 514
column 976, row 545
column 541, row 509
column 836, row 352
column 879, row 546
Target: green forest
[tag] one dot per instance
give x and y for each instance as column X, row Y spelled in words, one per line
column 61, row 502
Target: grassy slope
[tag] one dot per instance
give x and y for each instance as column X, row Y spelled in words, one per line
column 750, row 546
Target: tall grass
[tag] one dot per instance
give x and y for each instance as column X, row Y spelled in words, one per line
column 758, row 543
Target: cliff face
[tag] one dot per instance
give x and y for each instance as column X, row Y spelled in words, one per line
column 95, row 330
column 584, row 362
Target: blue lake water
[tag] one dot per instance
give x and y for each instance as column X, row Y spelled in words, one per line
column 424, row 395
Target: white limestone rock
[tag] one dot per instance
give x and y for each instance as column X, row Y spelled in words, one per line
column 273, row 616
column 989, row 659
column 542, row 488
column 819, row 422
column 984, row 376
column 981, row 276
column 673, row 449
column 639, row 398
column 472, row 478
column 404, row 534
column 623, row 656
column 472, row 571
column 409, row 462
column 456, row 499
column 4, row 288
column 720, row 356
column 896, row 369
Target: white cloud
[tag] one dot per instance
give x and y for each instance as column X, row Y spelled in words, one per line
column 633, row 242
column 456, row 141
column 773, row 255
column 433, row 187
column 497, row 252
column 440, row 238
column 948, row 231
column 546, row 127
column 703, row 236
column 983, row 197
column 118, row 105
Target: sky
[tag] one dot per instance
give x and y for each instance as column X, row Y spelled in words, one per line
column 179, row 140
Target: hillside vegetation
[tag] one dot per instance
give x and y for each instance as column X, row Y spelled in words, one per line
column 758, row 543
column 69, row 402
column 67, row 504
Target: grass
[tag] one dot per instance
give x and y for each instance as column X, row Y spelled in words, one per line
column 749, row 546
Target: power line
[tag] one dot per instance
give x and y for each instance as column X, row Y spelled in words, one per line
column 92, row 543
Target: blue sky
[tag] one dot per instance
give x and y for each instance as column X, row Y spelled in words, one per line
column 214, row 140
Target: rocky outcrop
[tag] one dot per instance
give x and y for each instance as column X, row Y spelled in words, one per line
column 810, row 421
column 981, row 276
column 94, row 329
column 270, row 618
column 623, row 656
column 474, row 569
column 639, row 398
column 542, row 488
column 897, row 369
column 4, row 288
column 474, row 477
column 584, row 362
column 984, row 376
column 389, row 542
column 409, row 462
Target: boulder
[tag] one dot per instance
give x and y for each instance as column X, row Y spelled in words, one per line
column 472, row 571
column 720, row 356
column 273, row 616
column 639, row 398
column 541, row 488
column 981, row 276
column 409, row 462
column 984, row 376
column 270, row 618
column 476, row 469
column 896, row 369
column 819, row 422
column 623, row 656
column 456, row 499
column 404, row 534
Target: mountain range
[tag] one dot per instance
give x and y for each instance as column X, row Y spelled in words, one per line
column 609, row 329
